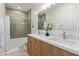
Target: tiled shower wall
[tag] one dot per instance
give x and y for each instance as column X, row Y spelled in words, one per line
column 20, row 22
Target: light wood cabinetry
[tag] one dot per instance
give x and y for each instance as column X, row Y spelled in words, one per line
column 46, row 49
column 40, row 48
column 33, row 46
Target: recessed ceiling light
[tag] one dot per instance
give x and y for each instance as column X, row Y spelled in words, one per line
column 19, row 7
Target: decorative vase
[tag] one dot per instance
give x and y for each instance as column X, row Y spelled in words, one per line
column 47, row 34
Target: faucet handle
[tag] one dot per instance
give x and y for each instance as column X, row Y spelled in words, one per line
column 64, row 35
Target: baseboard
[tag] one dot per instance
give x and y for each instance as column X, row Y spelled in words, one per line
column 12, row 50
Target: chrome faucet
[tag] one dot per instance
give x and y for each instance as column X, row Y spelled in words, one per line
column 64, row 35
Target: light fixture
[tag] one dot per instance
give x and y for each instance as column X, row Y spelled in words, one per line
column 18, row 7
column 47, row 5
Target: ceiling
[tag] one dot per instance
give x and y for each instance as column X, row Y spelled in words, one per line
column 24, row 6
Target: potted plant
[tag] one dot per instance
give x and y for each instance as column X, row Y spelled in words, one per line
column 49, row 27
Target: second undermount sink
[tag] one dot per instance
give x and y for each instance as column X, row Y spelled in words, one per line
column 62, row 41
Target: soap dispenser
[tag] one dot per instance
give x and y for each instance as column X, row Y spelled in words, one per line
column 47, row 34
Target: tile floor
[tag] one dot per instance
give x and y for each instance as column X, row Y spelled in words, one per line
column 17, row 53
column 18, row 42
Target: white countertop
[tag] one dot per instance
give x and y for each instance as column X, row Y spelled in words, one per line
column 66, row 44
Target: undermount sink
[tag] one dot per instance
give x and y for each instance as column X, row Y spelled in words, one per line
column 62, row 41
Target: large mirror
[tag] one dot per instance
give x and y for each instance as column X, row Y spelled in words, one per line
column 41, row 20
column 57, row 15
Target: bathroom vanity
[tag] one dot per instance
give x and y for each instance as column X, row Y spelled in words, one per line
column 41, row 46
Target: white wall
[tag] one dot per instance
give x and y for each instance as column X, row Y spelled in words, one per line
column 65, row 14
column 61, row 15
column 34, row 18
column 2, row 17
column 75, row 17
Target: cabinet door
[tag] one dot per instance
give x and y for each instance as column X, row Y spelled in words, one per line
column 37, row 47
column 50, row 50
column 31, row 46
column 57, row 51
column 61, row 52
column 46, row 51
column 34, row 48
column 66, row 53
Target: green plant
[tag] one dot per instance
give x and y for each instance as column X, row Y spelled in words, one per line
column 49, row 27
